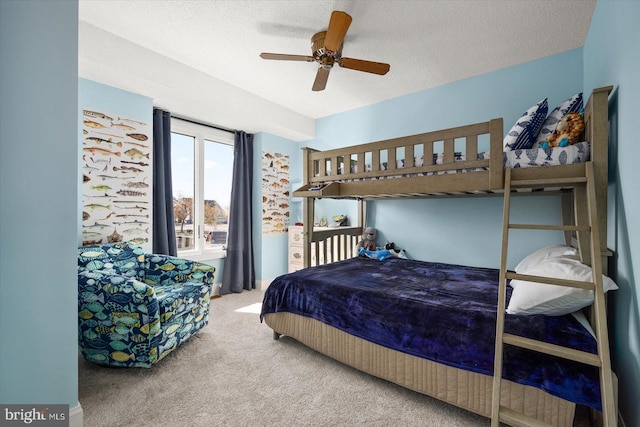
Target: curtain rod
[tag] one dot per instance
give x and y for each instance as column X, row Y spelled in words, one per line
column 203, row 124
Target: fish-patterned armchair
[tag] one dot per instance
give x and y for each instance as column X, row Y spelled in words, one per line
column 134, row 308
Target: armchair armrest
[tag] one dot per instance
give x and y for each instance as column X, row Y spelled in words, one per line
column 111, row 304
column 167, row 270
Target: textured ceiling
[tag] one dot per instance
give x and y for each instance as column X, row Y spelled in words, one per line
column 201, row 58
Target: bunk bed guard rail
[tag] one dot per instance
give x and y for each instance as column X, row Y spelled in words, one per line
column 348, row 171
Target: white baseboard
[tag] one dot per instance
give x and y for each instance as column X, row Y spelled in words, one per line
column 262, row 285
column 215, row 289
column 76, row 416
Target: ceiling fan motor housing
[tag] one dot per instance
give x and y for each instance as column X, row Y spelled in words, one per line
column 323, row 56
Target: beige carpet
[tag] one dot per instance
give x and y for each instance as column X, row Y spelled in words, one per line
column 232, row 373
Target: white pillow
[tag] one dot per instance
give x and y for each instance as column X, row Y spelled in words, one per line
column 546, row 253
column 553, row 300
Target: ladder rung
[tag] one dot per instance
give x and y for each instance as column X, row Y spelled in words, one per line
column 550, row 227
column 548, row 182
column 518, row 419
column 551, row 281
column 552, row 349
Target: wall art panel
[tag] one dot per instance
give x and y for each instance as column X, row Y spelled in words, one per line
column 117, row 179
column 275, row 193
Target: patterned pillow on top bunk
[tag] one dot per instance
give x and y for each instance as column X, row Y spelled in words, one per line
column 535, row 156
column 524, row 132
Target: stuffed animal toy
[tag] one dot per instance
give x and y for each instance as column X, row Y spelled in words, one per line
column 567, row 131
column 396, row 252
column 390, row 246
column 389, row 251
column 380, row 254
column 368, row 242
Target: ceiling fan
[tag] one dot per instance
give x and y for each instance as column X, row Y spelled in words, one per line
column 326, row 48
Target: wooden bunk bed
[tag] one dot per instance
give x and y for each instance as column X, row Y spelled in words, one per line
column 393, row 169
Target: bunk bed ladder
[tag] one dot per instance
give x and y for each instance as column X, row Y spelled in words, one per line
column 602, row 358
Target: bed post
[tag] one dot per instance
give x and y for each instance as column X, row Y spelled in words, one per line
column 597, row 132
column 596, row 117
column 362, row 212
column 496, row 162
column 308, row 205
column 566, row 198
column 307, row 229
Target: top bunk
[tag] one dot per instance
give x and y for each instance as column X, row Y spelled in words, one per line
column 453, row 162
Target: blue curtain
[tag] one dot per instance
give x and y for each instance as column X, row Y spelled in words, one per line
column 164, row 232
column 239, row 270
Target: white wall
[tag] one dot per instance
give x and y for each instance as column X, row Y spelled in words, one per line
column 38, row 200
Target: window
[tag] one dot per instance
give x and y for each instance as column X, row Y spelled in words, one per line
column 201, row 168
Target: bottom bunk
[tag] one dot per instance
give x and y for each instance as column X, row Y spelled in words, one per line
column 464, row 389
column 431, row 328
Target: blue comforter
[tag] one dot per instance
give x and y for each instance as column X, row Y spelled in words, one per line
column 442, row 312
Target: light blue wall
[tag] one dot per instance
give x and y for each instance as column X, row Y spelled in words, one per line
column 38, row 199
column 108, row 99
column 459, row 230
column 612, row 57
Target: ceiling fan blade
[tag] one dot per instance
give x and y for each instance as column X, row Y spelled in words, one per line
column 338, row 26
column 321, row 79
column 286, row 57
column 366, row 66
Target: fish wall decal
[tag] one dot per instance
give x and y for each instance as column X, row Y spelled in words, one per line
column 134, row 153
column 103, row 151
column 138, row 136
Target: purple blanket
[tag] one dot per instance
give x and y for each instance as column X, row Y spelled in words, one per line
column 441, row 312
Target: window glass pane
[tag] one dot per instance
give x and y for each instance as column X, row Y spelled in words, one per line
column 182, row 174
column 218, row 167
